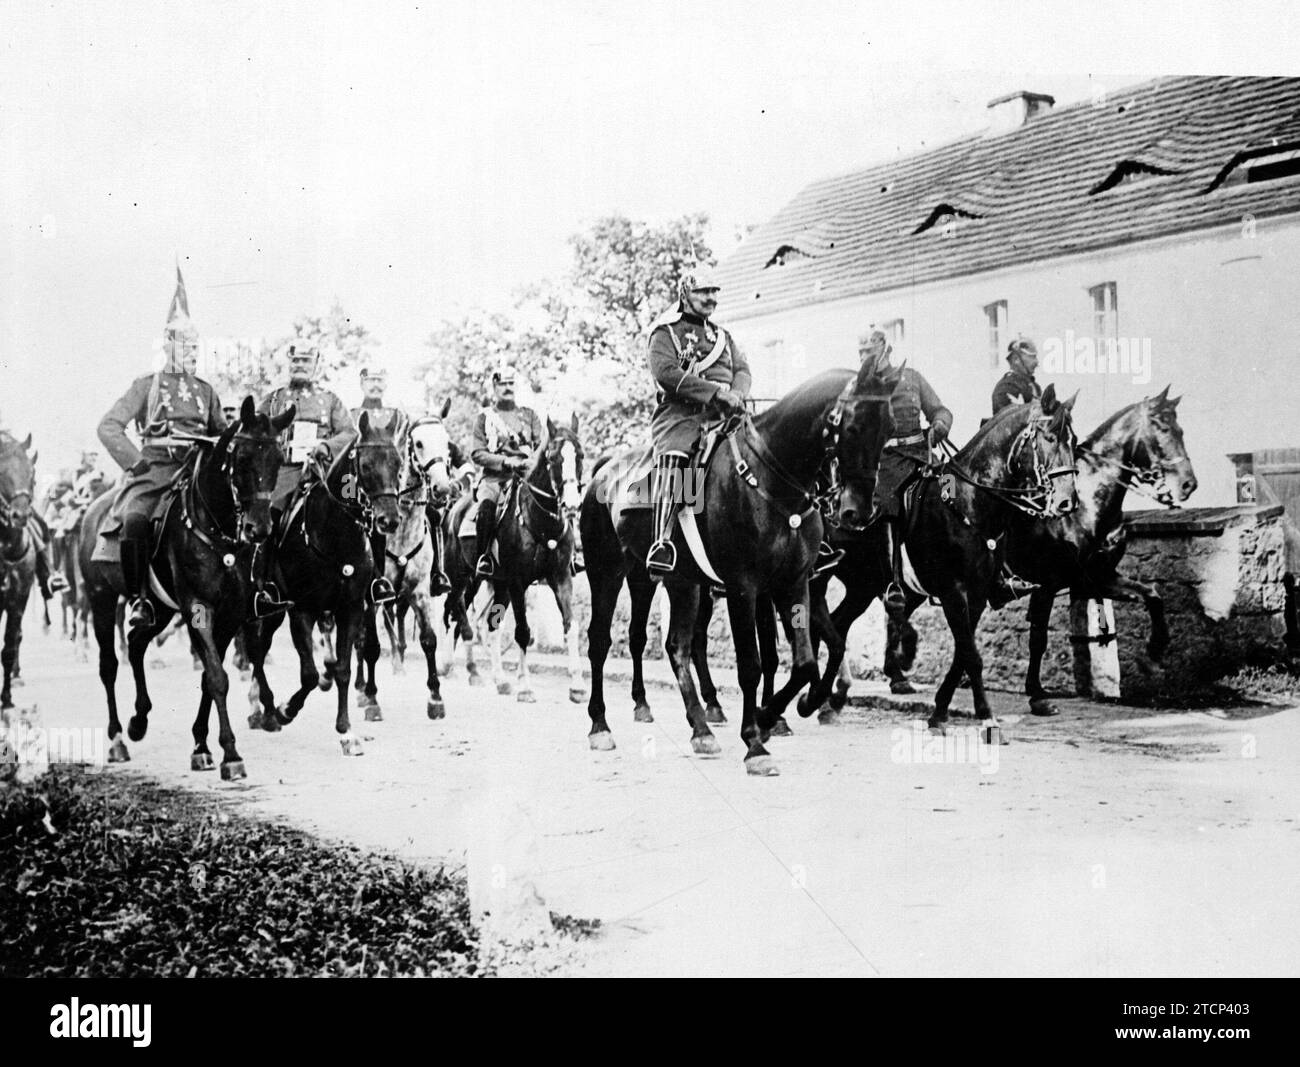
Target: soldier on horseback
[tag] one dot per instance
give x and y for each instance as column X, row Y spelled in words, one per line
column 1018, row 386
column 699, row 370
column 908, row 450
column 321, row 431
column 163, row 405
column 505, row 435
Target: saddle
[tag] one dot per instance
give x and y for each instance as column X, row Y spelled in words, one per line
column 631, row 483
column 466, row 527
column 108, row 544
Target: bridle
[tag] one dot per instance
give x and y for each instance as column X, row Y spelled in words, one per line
column 436, row 498
column 1141, row 480
column 559, row 514
column 227, row 469
column 830, row 499
column 362, row 511
column 1031, row 499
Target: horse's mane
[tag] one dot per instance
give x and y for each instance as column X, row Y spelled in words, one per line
column 1108, row 424
column 994, row 425
column 808, row 399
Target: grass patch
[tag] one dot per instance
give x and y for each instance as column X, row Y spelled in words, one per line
column 107, row 876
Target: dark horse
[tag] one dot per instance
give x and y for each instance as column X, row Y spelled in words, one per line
column 202, row 565
column 759, row 522
column 535, row 543
column 1139, row 447
column 430, row 456
column 323, row 560
column 17, row 549
column 955, row 527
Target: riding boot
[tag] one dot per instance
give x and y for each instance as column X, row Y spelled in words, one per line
column 439, row 583
column 135, row 570
column 485, row 524
column 266, row 597
column 895, row 600
column 662, row 557
column 381, row 589
column 1008, row 587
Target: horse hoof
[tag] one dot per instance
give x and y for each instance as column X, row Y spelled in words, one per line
column 526, row 696
column 256, row 722
column 273, row 722
column 504, row 688
column 902, row 687
column 641, row 713
column 601, row 742
column 837, row 700
column 364, row 699
column 118, row 752
column 577, row 695
column 705, row 745
column 435, row 710
column 781, row 728
column 233, row 770
column 137, row 727
column 936, row 729
column 374, row 713
column 202, row 761
column 801, row 706
column 351, row 745
column 1043, row 707
column 714, row 714
column 762, row 766
column 325, row 685
column 829, row 717
column 476, row 680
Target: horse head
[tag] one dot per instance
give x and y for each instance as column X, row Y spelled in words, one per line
column 563, row 461
column 17, row 481
column 428, row 453
column 377, row 465
column 865, row 422
column 251, row 456
column 1041, row 458
column 1161, row 452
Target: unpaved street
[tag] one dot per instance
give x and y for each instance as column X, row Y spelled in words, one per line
column 1109, row 842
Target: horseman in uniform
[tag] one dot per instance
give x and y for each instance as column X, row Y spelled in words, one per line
column 700, row 370
column 321, row 431
column 505, row 435
column 162, row 405
column 1018, row 386
column 907, row 451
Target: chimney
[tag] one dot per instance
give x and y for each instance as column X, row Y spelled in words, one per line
column 1012, row 111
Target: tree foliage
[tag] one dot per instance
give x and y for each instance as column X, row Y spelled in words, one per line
column 581, row 340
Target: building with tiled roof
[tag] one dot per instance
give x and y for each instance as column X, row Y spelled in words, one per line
column 1157, row 228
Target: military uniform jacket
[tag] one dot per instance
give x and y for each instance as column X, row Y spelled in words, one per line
column 320, row 416
column 504, row 433
column 691, row 360
column 171, row 404
column 1015, row 387
column 913, row 397
column 382, row 415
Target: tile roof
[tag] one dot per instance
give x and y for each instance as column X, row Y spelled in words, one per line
column 1149, row 162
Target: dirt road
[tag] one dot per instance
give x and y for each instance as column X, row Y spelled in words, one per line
column 1109, row 842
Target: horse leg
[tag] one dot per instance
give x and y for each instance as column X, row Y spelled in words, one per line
column 201, row 757
column 740, row 609
column 426, row 620
column 642, row 592
column 9, row 657
column 395, row 629
column 216, row 687
column 301, row 626
column 962, row 619
column 349, row 626
column 496, row 615
column 684, row 601
column 137, row 644
column 103, row 609
column 1039, row 613
column 261, row 700
column 713, row 712
column 605, row 580
column 831, row 687
column 1116, row 587
column 369, row 649
column 563, row 589
column 816, row 628
column 329, row 661
column 765, row 624
column 523, row 638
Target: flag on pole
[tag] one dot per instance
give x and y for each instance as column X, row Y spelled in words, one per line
column 180, row 308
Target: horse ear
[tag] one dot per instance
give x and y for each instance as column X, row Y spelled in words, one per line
column 446, row 408
column 573, row 423
column 1174, row 402
column 27, row 442
column 35, row 456
column 1069, row 404
column 363, row 423
column 550, row 428
column 284, row 418
column 246, row 411
column 1163, row 395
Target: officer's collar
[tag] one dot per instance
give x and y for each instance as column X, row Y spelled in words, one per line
column 506, row 405
column 694, row 319
column 301, row 385
column 371, row 402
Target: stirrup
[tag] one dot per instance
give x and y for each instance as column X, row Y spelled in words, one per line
column 439, row 583
column 485, row 568
column 265, row 604
column 895, row 599
column 142, row 615
column 576, row 563
column 382, row 591
column 661, row 559
column 827, row 558
column 57, row 583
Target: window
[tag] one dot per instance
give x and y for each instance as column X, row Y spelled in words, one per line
column 894, row 331
column 1105, row 315
column 995, row 315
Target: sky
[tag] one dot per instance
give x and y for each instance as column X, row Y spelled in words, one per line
column 415, row 161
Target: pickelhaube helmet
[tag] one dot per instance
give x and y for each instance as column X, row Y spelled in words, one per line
column 698, row 278
column 504, row 372
column 1021, row 346
column 373, row 369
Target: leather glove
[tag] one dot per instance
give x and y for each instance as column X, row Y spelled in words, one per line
column 516, row 464
column 321, row 454
column 938, row 432
column 729, row 403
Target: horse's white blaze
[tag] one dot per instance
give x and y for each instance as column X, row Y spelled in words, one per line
column 569, row 494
